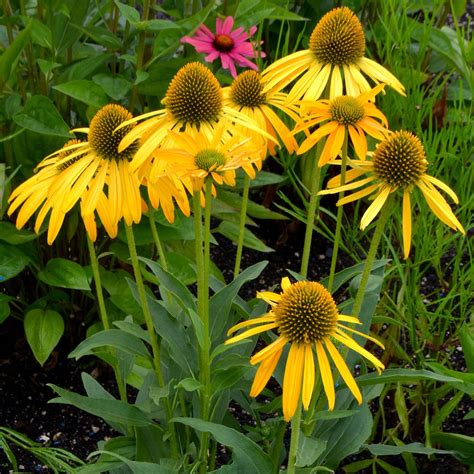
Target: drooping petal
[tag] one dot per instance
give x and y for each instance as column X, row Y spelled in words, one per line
column 264, row 372
column 406, row 223
column 326, row 375
column 308, row 376
column 292, row 380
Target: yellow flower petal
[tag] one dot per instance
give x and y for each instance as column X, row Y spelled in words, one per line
column 326, row 375
column 264, row 372
column 406, row 223
column 375, row 207
column 292, row 380
column 308, row 376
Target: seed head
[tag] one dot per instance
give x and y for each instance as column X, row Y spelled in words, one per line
column 306, row 312
column 246, row 90
column 194, row 95
column 346, row 110
column 102, row 138
column 400, row 160
column 209, row 159
column 338, row 38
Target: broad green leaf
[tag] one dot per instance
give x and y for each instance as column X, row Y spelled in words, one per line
column 10, row 234
column 129, row 13
column 388, row 450
column 157, row 25
column 246, row 452
column 110, row 410
column 41, row 116
column 12, row 261
column 462, row 446
column 189, row 384
column 181, row 267
column 231, row 231
column 409, row 376
column 150, row 445
column 263, row 178
column 84, row 91
column 115, row 86
column 4, row 307
column 101, row 36
column 309, row 449
column 138, row 467
column 64, row 274
column 41, row 34
column 113, row 338
column 11, row 54
column 43, row 331
column 465, row 381
column 84, row 68
column 227, row 378
column 221, row 302
column 172, row 284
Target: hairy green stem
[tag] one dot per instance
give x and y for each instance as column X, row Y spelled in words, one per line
column 295, row 437
column 156, row 238
column 151, row 329
column 203, row 266
column 103, row 311
column 337, row 236
column 140, row 52
column 312, row 210
column 374, row 244
column 243, row 216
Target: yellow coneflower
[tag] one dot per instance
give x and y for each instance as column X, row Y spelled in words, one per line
column 335, row 56
column 195, row 156
column 399, row 162
column 246, row 96
column 306, row 317
column 354, row 114
column 193, row 102
column 82, row 171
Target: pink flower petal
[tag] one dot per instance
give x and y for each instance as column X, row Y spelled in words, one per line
column 227, row 25
column 227, row 63
column 244, row 62
column 212, row 56
column 203, row 29
column 235, row 34
column 218, row 26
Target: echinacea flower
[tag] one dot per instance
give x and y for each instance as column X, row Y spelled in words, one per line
column 245, row 95
column 197, row 157
column 306, row 317
column 335, row 57
column 231, row 47
column 344, row 114
column 399, row 162
column 193, row 102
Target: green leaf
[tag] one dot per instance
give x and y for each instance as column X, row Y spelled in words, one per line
column 247, row 454
column 309, row 449
column 408, row 376
column 461, row 445
column 231, row 231
column 189, row 384
column 466, row 335
column 172, row 284
column 115, row 86
column 181, row 267
column 12, row 261
column 465, row 380
column 11, row 54
column 129, row 13
column 41, row 116
column 10, row 234
column 221, row 302
column 84, row 91
column 157, row 25
column 115, row 411
column 388, row 450
column 64, row 274
column 101, row 36
column 4, row 307
column 41, row 34
column 114, row 338
column 43, row 331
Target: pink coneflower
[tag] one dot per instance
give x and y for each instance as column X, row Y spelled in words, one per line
column 230, row 46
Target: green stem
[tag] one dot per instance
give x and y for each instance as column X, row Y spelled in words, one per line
column 140, row 52
column 384, row 214
column 203, row 266
column 151, row 329
column 337, row 236
column 295, row 436
column 312, row 209
column 103, row 311
column 144, row 304
column 243, row 216
column 156, row 238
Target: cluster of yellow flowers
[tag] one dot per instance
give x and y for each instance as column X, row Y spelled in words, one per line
column 208, row 132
